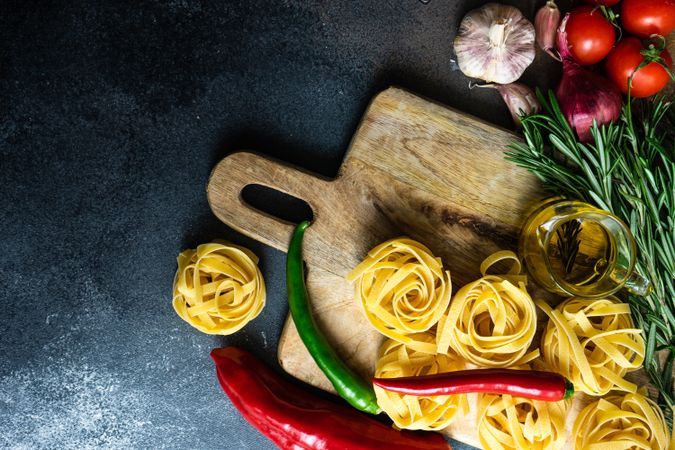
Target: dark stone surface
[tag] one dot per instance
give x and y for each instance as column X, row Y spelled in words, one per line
column 112, row 114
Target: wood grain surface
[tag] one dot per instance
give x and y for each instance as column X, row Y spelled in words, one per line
column 413, row 168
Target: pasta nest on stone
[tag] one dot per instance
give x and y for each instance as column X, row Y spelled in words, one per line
column 218, row 288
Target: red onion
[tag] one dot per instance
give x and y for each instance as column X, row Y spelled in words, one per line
column 583, row 95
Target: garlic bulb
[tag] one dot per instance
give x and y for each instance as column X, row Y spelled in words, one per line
column 495, row 43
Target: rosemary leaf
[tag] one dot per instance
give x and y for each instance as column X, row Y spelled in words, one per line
column 651, row 345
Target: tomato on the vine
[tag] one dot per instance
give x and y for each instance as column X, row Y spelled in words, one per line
column 590, row 35
column 646, row 17
column 624, row 59
column 602, row 2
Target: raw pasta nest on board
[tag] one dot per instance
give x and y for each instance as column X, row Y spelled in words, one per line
column 412, row 412
column 491, row 322
column 621, row 422
column 506, row 423
column 403, row 290
column 593, row 343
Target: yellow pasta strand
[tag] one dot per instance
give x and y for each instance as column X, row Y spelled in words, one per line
column 403, row 290
column 411, row 412
column 218, row 288
column 516, row 423
column 617, row 422
column 593, row 343
column 491, row 322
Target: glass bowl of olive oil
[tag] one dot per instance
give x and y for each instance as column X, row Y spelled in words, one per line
column 572, row 248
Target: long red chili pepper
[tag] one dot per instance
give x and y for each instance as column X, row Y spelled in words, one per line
column 537, row 385
column 294, row 418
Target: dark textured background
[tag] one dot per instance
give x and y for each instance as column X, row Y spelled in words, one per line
column 112, row 114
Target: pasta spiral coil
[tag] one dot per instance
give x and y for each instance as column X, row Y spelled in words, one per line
column 491, row 322
column 516, row 423
column 621, row 422
column 218, row 288
column 403, row 290
column 412, row 412
column 593, row 343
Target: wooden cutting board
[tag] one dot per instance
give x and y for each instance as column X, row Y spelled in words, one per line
column 413, row 168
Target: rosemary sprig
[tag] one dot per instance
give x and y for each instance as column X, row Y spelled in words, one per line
column 629, row 170
column 568, row 243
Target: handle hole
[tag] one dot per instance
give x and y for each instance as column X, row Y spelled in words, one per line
column 277, row 203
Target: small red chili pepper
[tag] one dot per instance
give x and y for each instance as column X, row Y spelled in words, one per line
column 534, row 384
column 296, row 419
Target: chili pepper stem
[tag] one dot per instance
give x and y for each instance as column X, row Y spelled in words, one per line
column 569, row 390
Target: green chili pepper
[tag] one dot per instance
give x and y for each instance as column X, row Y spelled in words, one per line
column 359, row 393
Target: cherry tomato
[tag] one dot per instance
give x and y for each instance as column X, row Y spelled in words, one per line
column 646, row 17
column 590, row 36
column 624, row 59
column 602, row 2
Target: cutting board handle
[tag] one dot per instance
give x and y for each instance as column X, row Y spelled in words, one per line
column 238, row 170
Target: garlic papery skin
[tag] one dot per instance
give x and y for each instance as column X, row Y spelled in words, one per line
column 546, row 26
column 495, row 43
column 519, row 98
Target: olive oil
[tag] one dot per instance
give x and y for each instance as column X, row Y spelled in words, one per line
column 573, row 248
column 581, row 252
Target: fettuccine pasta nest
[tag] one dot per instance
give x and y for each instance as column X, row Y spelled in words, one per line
column 491, row 322
column 632, row 421
column 218, row 288
column 412, row 412
column 403, row 290
column 515, row 423
column 593, row 343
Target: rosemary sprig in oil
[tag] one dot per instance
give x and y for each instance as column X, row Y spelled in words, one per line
column 568, row 244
